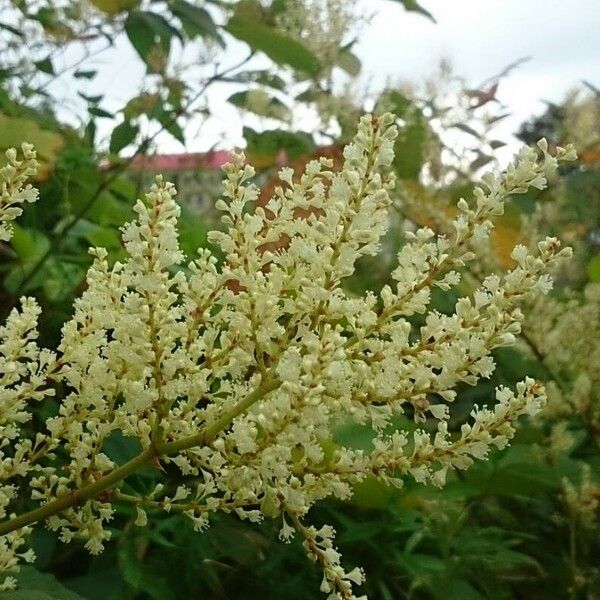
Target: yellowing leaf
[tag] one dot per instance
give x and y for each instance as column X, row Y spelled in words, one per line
column 114, row 7
column 14, row 131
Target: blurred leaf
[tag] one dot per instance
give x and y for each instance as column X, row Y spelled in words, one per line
column 97, row 235
column 29, row 244
column 264, row 147
column 349, row 62
column 114, row 7
column 122, row 135
column 260, row 103
column 245, row 25
column 480, row 161
column 14, row 131
column 119, row 448
column 169, row 123
column 195, row 20
column 414, row 6
column 393, row 101
column 410, row 147
column 91, row 99
column 593, row 269
column 85, row 74
column 100, row 112
column 262, row 77
column 150, row 33
column 464, row 127
column 45, row 66
column 141, row 577
column 61, row 280
column 34, row 585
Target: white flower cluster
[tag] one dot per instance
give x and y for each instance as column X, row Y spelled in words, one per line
column 236, row 373
column 14, row 189
column 574, row 327
column 583, row 500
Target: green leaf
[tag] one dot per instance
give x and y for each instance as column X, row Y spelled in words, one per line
column 100, row 236
column 480, row 162
column 169, row 122
column 34, row 585
column 29, row 244
column 100, row 112
column 83, row 74
column 349, row 62
column 196, row 21
column 410, row 146
column 464, row 127
column 261, row 103
column 150, row 33
column 122, row 135
column 414, row 6
column 45, row 66
column 593, row 269
column 61, row 280
column 114, row 7
column 264, row 146
column 91, row 99
column 262, row 77
column 284, row 50
column 394, row 101
column 14, row 131
column 12, row 29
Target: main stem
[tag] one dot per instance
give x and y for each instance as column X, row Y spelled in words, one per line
column 205, row 436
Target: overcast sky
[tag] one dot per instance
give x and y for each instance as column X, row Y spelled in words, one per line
column 480, row 37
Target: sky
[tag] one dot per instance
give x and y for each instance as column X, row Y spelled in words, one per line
column 480, row 37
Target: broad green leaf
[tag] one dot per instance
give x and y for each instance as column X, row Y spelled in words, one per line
column 262, row 77
column 62, row 279
column 14, row 131
column 114, row 7
column 100, row 235
column 29, row 244
column 109, row 210
column 150, row 34
column 263, row 147
column 395, row 102
column 593, row 269
column 34, row 585
column 122, row 135
column 196, row 21
column 261, row 103
column 349, row 62
column 246, row 25
column 410, row 146
column 192, row 232
column 169, row 122
column 45, row 66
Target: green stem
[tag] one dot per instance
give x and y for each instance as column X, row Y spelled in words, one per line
column 203, row 437
column 78, row 496
column 208, row 434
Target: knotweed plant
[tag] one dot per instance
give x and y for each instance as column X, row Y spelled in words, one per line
column 235, row 370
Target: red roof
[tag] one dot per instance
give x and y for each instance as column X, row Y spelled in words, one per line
column 180, row 162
